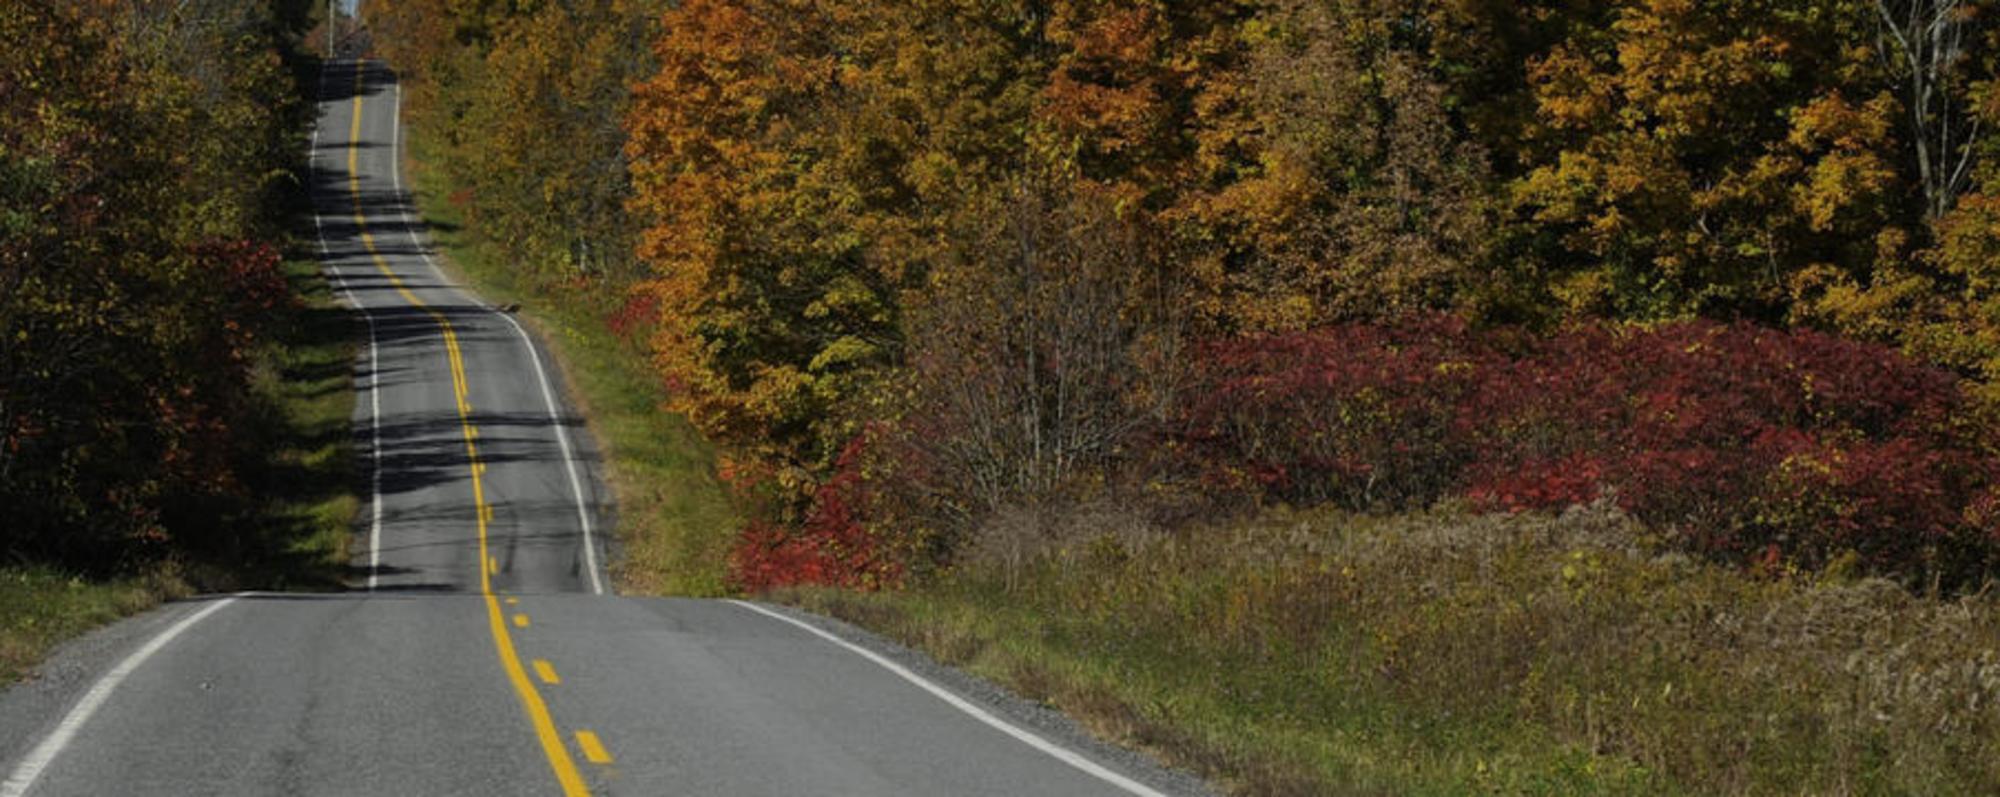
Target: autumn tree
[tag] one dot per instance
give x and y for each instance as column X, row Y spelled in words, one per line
column 1710, row 158
column 844, row 213
column 1930, row 290
column 1927, row 46
column 1026, row 372
column 1947, row 306
column 1351, row 189
column 768, row 305
column 558, row 73
column 144, row 154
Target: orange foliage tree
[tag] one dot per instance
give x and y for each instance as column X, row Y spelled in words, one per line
column 838, row 206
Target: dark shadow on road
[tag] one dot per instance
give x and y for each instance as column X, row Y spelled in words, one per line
column 364, row 224
column 341, row 83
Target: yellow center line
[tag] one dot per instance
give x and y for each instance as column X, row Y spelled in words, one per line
column 546, row 671
column 592, row 748
column 520, row 620
column 531, row 700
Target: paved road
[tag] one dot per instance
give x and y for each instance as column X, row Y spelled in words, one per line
column 486, row 660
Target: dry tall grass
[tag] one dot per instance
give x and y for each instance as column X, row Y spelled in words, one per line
column 1445, row 652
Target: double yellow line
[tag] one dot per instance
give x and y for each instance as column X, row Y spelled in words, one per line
column 531, row 700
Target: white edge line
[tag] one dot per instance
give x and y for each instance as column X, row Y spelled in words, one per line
column 569, row 458
column 374, row 369
column 534, row 356
column 1028, row 738
column 30, row 768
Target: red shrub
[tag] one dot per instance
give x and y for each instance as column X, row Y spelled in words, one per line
column 1573, row 479
column 833, row 546
column 1354, row 414
column 246, row 274
column 1744, row 439
column 633, row 319
column 1750, row 443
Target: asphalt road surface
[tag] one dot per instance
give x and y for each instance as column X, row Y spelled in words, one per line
column 484, row 656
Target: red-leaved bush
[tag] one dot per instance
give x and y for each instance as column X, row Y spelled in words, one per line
column 635, row 317
column 1358, row 415
column 1748, row 444
column 833, row 545
column 1773, row 449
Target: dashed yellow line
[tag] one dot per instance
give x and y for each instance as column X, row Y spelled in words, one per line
column 546, row 672
column 564, row 766
column 531, row 701
column 593, row 750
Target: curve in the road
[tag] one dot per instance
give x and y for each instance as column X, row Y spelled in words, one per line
column 560, row 761
column 411, row 227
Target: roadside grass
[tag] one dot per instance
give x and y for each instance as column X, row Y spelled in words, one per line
column 675, row 521
column 1451, row 653
column 41, row 607
column 293, row 529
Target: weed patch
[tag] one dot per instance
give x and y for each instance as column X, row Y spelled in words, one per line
column 1447, row 652
column 40, row 607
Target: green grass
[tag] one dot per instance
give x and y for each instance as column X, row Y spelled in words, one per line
column 1447, row 653
column 40, row 607
column 675, row 522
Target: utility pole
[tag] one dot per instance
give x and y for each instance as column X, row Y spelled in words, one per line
column 329, row 29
